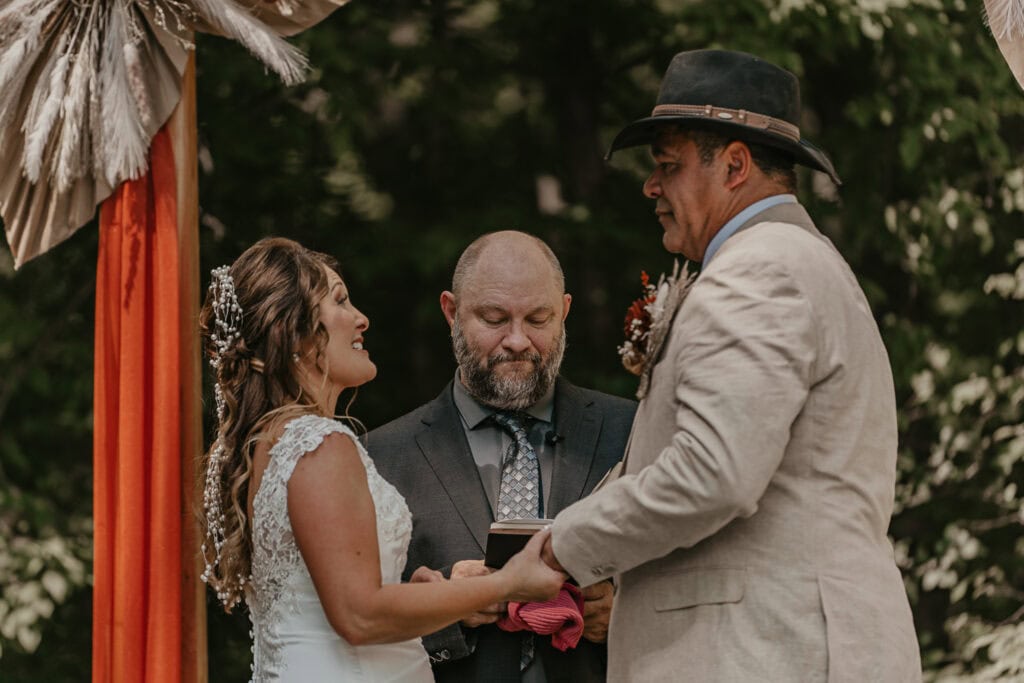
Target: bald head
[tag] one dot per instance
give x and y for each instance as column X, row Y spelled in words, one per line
column 507, row 253
column 507, row 312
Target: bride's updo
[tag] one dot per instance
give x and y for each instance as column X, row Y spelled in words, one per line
column 258, row 315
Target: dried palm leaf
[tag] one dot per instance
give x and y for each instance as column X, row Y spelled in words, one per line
column 74, row 137
column 44, row 108
column 233, row 21
column 17, row 60
column 1006, row 20
column 125, row 139
column 85, row 84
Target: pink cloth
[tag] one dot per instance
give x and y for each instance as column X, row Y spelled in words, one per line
column 561, row 617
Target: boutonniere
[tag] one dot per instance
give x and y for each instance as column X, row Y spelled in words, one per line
column 648, row 320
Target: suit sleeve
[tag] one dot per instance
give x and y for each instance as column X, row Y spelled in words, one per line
column 743, row 357
column 451, row 643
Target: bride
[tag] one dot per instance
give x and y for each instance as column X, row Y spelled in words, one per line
column 297, row 521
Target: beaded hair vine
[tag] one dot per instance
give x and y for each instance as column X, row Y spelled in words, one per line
column 227, row 315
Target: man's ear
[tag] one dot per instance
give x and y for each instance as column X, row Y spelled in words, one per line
column 739, row 164
column 448, row 307
column 567, row 299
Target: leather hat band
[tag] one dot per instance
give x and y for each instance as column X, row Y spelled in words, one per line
column 740, row 116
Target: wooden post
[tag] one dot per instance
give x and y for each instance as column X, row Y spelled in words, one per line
column 184, row 139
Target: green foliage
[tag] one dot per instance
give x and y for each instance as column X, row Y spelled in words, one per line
column 426, row 124
column 45, row 443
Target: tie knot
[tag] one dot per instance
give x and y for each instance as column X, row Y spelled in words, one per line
column 511, row 422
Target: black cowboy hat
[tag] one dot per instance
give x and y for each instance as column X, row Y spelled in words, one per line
column 734, row 93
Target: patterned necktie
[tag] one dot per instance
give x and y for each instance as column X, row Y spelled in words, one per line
column 519, row 494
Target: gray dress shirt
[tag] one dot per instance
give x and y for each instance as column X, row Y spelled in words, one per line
column 488, row 442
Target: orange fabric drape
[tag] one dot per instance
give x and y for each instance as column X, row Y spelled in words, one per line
column 137, row 432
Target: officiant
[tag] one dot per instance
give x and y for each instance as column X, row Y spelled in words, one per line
column 506, row 418
column 748, row 527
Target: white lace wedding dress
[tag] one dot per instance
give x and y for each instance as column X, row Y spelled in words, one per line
column 292, row 639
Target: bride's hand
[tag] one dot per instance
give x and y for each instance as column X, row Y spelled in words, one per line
column 530, row 579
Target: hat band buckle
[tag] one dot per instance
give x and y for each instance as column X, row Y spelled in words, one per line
column 740, row 116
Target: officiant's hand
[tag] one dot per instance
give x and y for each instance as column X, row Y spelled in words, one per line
column 489, row 615
column 426, row 575
column 597, row 610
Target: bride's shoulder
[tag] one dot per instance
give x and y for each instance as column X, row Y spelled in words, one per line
column 321, row 443
column 306, row 433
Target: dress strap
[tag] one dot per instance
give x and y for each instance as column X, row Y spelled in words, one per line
column 303, row 435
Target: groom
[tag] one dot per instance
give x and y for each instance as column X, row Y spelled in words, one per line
column 748, row 528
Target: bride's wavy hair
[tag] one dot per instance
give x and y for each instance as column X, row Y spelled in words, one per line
column 278, row 284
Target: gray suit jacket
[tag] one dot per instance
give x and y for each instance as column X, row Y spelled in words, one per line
column 749, row 524
column 426, row 456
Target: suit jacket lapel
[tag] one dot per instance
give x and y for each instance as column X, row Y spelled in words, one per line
column 578, row 422
column 445, row 447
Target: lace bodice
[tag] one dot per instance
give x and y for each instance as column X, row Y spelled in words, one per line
column 281, row 596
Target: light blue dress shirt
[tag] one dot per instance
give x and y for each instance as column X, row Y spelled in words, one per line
column 734, row 223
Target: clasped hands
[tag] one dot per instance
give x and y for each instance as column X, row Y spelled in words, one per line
column 597, row 599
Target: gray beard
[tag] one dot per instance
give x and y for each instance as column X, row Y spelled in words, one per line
column 517, row 392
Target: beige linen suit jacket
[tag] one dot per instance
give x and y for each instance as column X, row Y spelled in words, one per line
column 748, row 529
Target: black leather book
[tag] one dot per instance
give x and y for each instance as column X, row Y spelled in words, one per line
column 507, row 537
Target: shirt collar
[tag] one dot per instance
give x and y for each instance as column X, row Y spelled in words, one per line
column 474, row 412
column 737, row 221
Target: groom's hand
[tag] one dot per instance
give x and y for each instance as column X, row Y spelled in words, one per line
column 597, row 610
